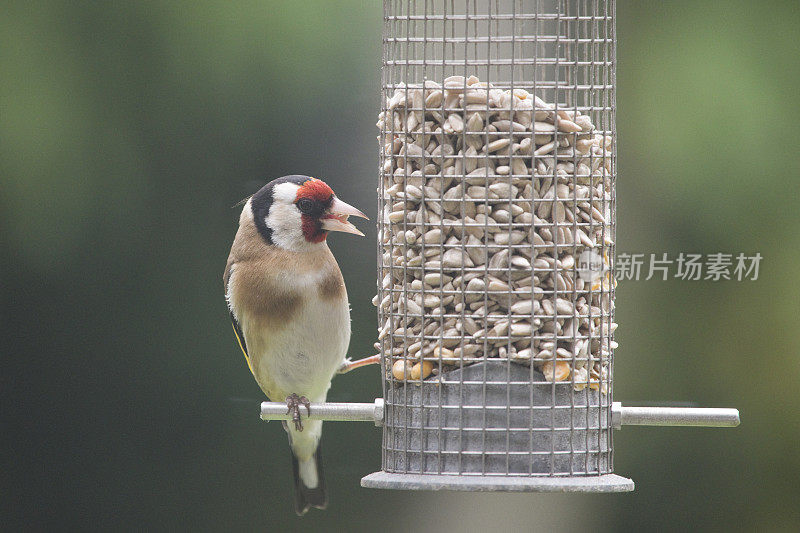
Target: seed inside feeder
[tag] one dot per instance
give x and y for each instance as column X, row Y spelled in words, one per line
column 489, row 201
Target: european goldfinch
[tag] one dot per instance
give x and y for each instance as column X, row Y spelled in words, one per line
column 289, row 308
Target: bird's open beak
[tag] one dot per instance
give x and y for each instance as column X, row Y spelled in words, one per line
column 336, row 217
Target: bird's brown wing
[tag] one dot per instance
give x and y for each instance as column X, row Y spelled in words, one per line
column 237, row 329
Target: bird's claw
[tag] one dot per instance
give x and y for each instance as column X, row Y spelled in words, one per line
column 293, row 403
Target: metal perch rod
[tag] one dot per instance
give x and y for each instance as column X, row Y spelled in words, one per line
column 673, row 416
column 620, row 415
column 329, row 411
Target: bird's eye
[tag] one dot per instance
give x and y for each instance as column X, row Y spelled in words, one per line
column 305, row 205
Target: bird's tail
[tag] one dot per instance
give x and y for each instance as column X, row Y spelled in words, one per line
column 309, row 483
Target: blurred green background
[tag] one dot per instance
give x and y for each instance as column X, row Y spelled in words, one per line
column 127, row 132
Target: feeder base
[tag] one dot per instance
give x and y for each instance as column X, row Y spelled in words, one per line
column 604, row 483
column 496, row 418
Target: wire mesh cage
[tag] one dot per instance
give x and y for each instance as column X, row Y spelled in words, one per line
column 496, row 236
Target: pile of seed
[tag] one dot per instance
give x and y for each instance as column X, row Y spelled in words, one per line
column 489, row 199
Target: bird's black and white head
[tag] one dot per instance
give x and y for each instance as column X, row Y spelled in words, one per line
column 297, row 212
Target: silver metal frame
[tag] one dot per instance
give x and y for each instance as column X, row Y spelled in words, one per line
column 620, row 415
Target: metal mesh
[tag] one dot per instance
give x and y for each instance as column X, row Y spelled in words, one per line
column 496, row 234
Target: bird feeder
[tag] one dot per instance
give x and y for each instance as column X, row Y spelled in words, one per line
column 496, row 228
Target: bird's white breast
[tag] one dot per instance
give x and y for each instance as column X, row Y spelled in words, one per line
column 303, row 355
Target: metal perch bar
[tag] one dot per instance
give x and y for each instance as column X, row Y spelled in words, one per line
column 673, row 416
column 329, row 411
column 621, row 416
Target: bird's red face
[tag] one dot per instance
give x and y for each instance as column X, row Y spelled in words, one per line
column 312, row 199
column 298, row 211
column 321, row 211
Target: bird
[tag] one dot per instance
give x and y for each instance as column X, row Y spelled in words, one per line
column 290, row 311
